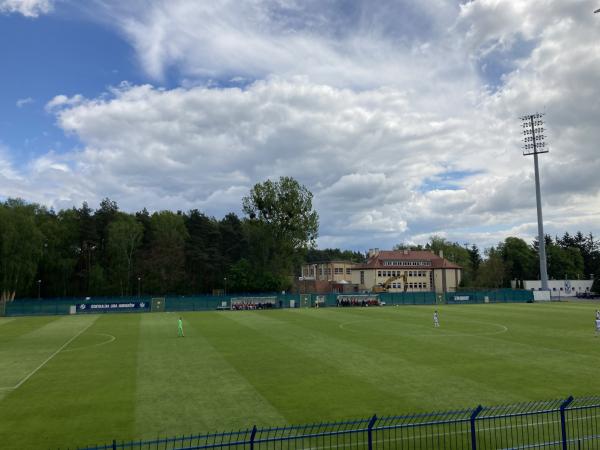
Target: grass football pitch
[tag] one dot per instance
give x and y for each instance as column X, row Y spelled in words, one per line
column 86, row 379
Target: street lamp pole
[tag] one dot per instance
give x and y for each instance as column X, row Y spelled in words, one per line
column 225, row 289
column 39, row 282
column 139, row 286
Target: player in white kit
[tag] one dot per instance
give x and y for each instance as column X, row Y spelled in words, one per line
column 436, row 319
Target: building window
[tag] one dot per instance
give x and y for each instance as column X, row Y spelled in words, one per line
column 362, row 277
column 348, row 271
column 379, row 273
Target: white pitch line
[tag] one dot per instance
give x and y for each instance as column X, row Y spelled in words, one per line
column 110, row 339
column 33, row 372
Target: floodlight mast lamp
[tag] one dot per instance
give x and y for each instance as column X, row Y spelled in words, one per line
column 533, row 139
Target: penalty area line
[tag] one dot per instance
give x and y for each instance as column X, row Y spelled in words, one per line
column 34, row 371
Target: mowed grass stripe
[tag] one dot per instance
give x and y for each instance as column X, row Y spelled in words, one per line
column 185, row 385
column 501, row 359
column 455, row 365
column 27, row 343
column 303, row 387
column 15, row 327
column 369, row 378
column 80, row 395
column 5, row 320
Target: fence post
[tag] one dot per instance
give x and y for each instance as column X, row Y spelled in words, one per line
column 563, row 424
column 371, row 423
column 252, row 436
column 474, row 415
column 114, row 446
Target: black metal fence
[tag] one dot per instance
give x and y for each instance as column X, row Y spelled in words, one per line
column 567, row 424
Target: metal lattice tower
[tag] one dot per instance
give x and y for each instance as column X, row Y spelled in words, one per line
column 533, row 140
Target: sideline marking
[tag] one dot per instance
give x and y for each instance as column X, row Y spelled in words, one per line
column 111, row 338
column 32, row 373
column 503, row 329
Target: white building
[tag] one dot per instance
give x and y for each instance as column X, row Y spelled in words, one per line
column 558, row 287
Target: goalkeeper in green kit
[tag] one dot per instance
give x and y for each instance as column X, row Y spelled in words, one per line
column 180, row 328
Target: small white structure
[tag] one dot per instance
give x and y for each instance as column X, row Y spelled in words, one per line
column 567, row 288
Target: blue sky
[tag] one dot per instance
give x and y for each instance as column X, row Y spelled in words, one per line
column 400, row 116
column 49, row 55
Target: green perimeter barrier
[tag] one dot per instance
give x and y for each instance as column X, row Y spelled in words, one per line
column 408, row 298
column 490, row 296
column 55, row 306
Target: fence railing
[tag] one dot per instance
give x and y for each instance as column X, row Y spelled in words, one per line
column 566, row 424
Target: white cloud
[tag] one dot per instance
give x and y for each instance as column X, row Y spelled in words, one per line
column 24, row 101
column 384, row 113
column 62, row 101
column 361, row 43
column 28, row 8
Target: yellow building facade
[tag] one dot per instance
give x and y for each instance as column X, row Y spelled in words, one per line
column 332, row 271
column 406, row 271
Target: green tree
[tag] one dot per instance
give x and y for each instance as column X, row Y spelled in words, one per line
column 203, row 256
column 281, row 227
column 21, row 244
column 124, row 237
column 286, row 207
column 88, row 245
column 165, row 263
column 564, row 263
column 492, row 271
column 475, row 258
column 60, row 252
column 519, row 258
column 332, row 254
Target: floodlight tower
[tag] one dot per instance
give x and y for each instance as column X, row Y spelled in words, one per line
column 533, row 139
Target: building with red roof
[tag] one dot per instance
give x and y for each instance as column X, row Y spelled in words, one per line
column 406, row 271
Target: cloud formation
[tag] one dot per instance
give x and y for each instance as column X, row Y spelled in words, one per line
column 28, row 8
column 24, row 101
column 400, row 131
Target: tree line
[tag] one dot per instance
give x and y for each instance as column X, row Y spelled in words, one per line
column 109, row 252
column 574, row 256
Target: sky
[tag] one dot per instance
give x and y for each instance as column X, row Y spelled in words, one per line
column 401, row 117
